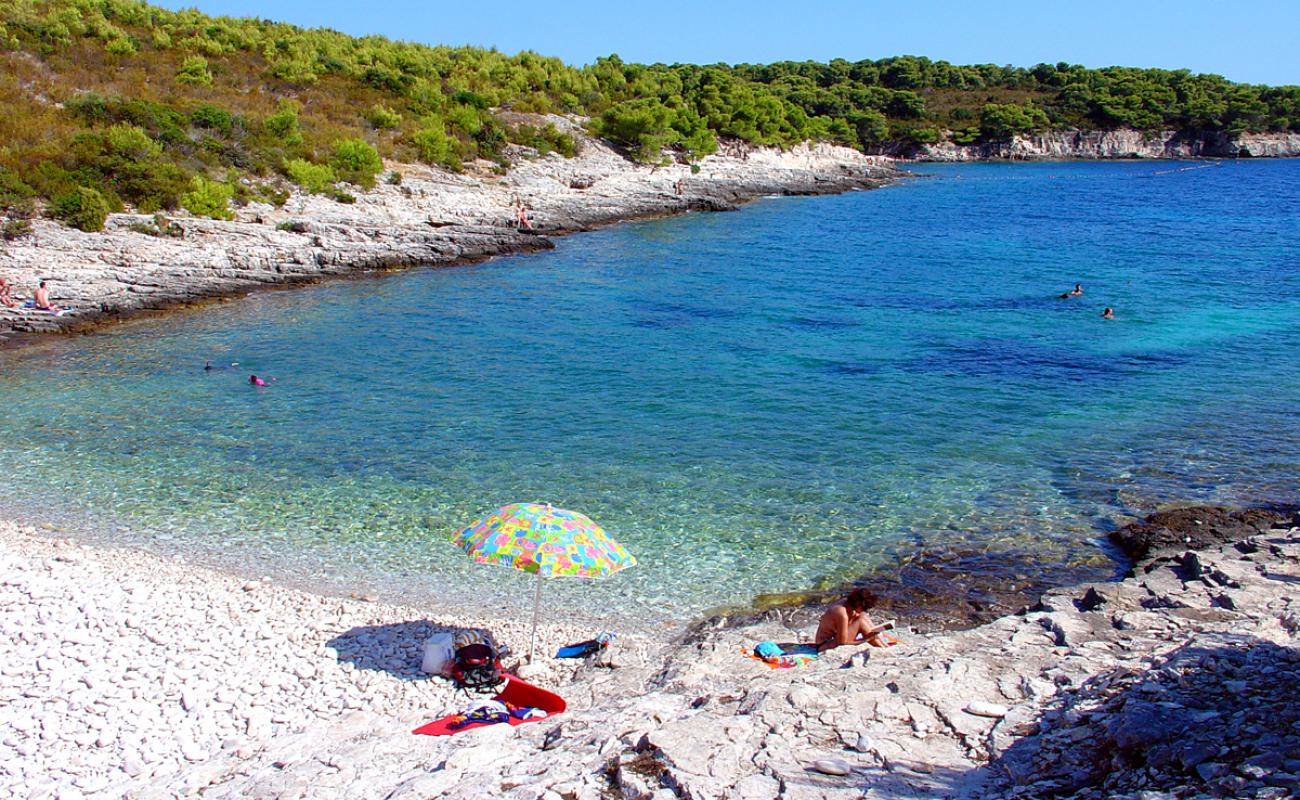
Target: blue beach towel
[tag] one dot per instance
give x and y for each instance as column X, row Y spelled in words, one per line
column 58, row 312
column 772, row 654
column 584, row 649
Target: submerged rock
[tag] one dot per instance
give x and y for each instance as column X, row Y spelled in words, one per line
column 1194, row 528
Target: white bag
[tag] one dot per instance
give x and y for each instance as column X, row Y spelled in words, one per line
column 437, row 654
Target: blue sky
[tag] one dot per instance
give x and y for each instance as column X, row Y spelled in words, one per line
column 1254, row 44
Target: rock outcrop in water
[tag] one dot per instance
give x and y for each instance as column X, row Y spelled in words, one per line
column 432, row 218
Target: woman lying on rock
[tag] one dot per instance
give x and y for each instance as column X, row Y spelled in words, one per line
column 846, row 622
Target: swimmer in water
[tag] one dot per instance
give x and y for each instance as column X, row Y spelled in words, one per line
column 207, row 366
column 1077, row 291
column 1109, row 313
column 256, row 381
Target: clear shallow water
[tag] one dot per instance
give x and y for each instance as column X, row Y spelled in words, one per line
column 752, row 402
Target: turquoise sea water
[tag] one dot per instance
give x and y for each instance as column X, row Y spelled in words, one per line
column 758, row 401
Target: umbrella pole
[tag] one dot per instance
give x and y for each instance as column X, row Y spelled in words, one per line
column 537, row 605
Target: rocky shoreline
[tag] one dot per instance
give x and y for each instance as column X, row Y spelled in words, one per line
column 1124, row 143
column 431, row 218
column 437, row 218
column 123, row 674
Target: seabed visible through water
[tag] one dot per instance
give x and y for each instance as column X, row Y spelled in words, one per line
column 774, row 400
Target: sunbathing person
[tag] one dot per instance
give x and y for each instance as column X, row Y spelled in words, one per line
column 41, row 299
column 846, row 622
column 6, row 294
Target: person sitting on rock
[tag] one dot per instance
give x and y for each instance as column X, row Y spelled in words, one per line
column 6, row 294
column 41, row 299
column 846, row 622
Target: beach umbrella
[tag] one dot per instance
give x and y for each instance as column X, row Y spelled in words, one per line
column 546, row 541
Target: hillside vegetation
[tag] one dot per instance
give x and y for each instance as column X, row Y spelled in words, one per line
column 116, row 103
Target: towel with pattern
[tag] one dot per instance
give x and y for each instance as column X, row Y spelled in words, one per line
column 788, row 657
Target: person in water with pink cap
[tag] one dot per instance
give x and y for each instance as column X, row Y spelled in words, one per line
column 256, row 381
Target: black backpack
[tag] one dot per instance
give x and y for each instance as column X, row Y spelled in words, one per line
column 476, row 667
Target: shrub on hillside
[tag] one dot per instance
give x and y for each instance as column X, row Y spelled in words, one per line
column 871, row 126
column 284, row 125
column 14, row 192
column 194, row 71
column 83, row 208
column 642, row 126
column 433, row 145
column 128, row 142
column 260, row 193
column 148, row 185
column 1001, row 121
column 313, row 178
column 121, row 46
column 208, row 199
column 355, row 161
column 544, row 139
column 213, row 118
column 382, row 117
column 15, row 229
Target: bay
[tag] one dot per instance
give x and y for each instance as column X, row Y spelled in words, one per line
column 768, row 400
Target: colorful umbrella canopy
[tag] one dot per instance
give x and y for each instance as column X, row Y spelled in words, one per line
column 546, row 541
column 538, row 538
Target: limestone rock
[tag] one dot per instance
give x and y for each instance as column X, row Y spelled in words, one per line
column 832, row 766
column 981, row 708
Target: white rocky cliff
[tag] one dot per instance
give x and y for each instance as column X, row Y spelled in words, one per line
column 1117, row 144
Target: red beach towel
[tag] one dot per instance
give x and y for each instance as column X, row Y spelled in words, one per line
column 515, row 693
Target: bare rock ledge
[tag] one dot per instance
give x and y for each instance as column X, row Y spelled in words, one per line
column 123, row 674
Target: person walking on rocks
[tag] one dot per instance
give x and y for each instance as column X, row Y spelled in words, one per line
column 846, row 622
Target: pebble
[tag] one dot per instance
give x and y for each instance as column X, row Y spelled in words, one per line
column 832, row 766
column 980, row 708
column 149, row 705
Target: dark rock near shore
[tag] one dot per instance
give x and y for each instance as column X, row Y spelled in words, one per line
column 1194, row 528
column 953, row 589
column 931, row 590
